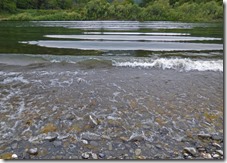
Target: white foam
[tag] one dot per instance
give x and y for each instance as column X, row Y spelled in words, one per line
column 137, row 33
column 175, row 63
column 163, row 38
column 13, row 79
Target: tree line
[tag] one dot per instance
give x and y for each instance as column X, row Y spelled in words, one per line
column 142, row 10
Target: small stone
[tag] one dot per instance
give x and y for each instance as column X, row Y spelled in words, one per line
column 33, row 151
column 158, row 146
column 190, row 150
column 106, row 137
column 216, row 156
column 124, row 138
column 136, row 138
column 217, row 137
column 51, row 137
column 57, row 143
column 140, row 157
column 220, row 152
column 148, row 145
column 110, row 147
column 216, row 145
column 94, row 143
column 185, row 154
column 94, row 156
column 102, row 155
column 138, row 152
column 85, row 155
column 204, row 136
column 201, row 149
column 84, row 141
column 93, row 120
column 69, row 116
column 14, row 156
column 14, row 145
column 206, row 155
column 90, row 136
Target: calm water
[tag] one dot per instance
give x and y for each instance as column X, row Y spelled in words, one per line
column 160, row 81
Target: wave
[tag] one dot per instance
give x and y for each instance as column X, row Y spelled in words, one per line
column 132, row 38
column 176, row 64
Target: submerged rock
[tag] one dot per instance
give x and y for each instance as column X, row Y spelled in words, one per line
column 190, row 150
column 57, row 143
column 102, row 155
column 138, row 152
column 51, row 137
column 204, row 136
column 94, row 156
column 85, row 155
column 206, row 155
column 90, row 136
column 33, row 151
column 14, row 156
column 220, row 152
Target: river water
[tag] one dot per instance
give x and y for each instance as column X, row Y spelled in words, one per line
column 109, row 87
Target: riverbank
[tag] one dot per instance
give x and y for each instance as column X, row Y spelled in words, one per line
column 100, row 10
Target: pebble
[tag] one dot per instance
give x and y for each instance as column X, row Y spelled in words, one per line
column 136, row 138
column 90, row 136
column 149, row 145
column 93, row 120
column 84, row 141
column 14, row 156
column 216, row 156
column 57, row 143
column 14, row 145
column 158, row 146
column 124, row 138
column 94, row 143
column 102, row 155
column 216, row 145
column 85, row 155
column 94, row 156
column 201, row 149
column 138, row 152
column 206, row 155
column 220, row 152
column 33, row 151
column 51, row 137
column 110, row 147
column 204, row 136
column 106, row 137
column 217, row 137
column 190, row 150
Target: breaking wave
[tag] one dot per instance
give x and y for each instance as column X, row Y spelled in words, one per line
column 176, row 64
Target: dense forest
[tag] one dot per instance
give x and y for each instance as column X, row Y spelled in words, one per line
column 141, row 10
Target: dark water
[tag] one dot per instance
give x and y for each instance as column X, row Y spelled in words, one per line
column 109, row 81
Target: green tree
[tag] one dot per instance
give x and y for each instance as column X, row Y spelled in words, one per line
column 8, row 6
column 97, row 9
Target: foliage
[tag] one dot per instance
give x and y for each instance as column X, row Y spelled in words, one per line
column 141, row 10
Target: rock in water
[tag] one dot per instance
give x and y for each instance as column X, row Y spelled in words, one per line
column 94, row 156
column 90, row 136
column 220, row 152
column 190, row 150
column 204, row 136
column 85, row 155
column 51, row 137
column 138, row 152
column 14, row 156
column 33, row 151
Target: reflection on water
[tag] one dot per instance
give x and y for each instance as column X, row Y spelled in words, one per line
column 126, row 45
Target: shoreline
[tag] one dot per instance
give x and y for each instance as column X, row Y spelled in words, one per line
column 148, row 114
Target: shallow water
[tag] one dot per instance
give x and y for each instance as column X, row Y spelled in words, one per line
column 109, row 83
